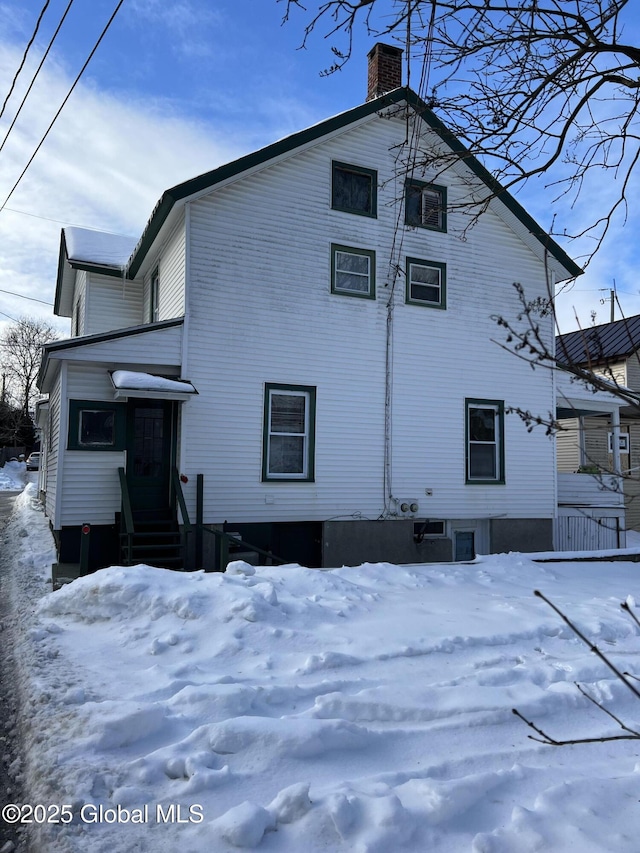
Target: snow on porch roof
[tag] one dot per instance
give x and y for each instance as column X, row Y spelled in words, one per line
column 130, row 383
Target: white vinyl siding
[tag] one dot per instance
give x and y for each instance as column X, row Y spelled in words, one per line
column 154, row 348
column 616, row 373
column 170, row 267
column 568, row 446
column 632, row 368
column 79, row 304
column 53, row 451
column 90, row 480
column 111, row 303
column 261, row 310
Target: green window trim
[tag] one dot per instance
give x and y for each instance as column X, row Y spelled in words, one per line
column 274, row 438
column 413, row 283
column 90, row 415
column 425, row 205
column 476, row 446
column 340, row 274
column 340, row 195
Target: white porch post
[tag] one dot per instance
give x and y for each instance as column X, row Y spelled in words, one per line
column 615, row 423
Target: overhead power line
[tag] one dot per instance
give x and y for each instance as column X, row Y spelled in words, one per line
column 33, row 79
column 22, row 296
column 62, row 105
column 24, row 58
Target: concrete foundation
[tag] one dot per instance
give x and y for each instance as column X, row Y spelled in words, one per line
column 349, row 543
column 521, row 534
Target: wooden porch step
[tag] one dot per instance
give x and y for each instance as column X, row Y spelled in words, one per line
column 153, row 547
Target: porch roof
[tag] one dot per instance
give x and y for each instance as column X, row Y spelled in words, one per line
column 149, row 347
column 130, row 383
column 575, row 398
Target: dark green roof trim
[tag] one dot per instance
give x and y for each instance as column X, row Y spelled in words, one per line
column 316, row 131
column 494, row 185
column 116, row 272
column 250, row 161
column 101, row 337
column 62, row 257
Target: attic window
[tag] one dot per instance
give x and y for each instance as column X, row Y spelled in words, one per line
column 354, row 189
column 425, row 205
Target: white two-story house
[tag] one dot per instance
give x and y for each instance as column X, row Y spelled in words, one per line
column 306, row 337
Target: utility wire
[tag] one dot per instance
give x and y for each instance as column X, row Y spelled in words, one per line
column 33, row 79
column 66, row 222
column 32, row 298
column 62, row 105
column 24, row 58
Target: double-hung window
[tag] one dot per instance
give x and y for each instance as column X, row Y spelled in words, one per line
column 425, row 205
column 426, row 283
column 485, row 441
column 354, row 189
column 353, row 271
column 289, row 432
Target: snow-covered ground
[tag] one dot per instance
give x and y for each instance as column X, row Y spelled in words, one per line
column 12, row 476
column 360, row 709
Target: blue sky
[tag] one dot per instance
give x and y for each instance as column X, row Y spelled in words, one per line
column 178, row 87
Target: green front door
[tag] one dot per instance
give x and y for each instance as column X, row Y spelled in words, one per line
column 150, row 454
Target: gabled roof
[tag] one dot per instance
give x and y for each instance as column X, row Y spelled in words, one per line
column 207, row 181
column 177, row 195
column 600, row 344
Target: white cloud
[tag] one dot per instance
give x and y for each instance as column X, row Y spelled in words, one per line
column 191, row 24
column 104, row 165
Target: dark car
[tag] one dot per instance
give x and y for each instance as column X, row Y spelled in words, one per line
column 33, row 462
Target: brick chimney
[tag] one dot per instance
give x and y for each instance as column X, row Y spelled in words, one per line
column 385, row 70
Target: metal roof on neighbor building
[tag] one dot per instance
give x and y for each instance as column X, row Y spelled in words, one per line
column 598, row 344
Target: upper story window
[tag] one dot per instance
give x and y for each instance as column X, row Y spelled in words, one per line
column 154, row 297
column 353, row 271
column 485, row 441
column 425, row 205
column 354, row 189
column 289, row 432
column 426, row 283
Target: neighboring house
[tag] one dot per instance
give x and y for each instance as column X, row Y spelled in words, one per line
column 327, row 306
column 612, row 351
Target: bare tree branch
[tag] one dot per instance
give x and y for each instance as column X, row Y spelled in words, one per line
column 531, row 88
column 632, row 734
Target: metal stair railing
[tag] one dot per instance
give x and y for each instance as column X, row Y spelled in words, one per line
column 224, row 539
